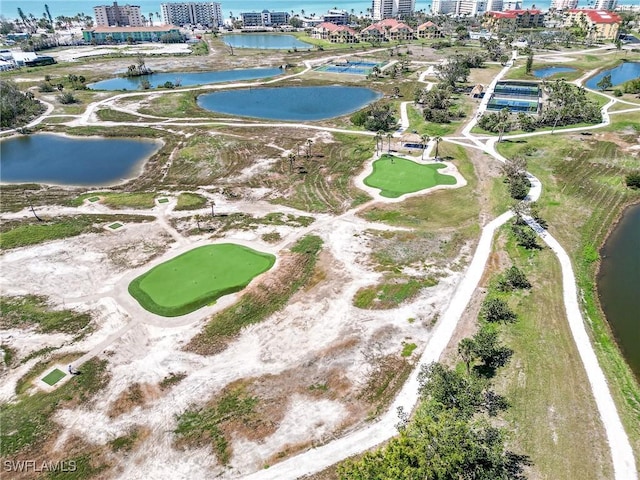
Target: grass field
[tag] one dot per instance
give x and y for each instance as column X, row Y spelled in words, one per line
column 396, row 176
column 54, row 377
column 198, row 277
column 583, row 195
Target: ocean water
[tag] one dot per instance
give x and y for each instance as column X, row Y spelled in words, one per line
column 69, row 8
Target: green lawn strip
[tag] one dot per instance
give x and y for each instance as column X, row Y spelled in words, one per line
column 396, row 176
column 552, row 408
column 163, row 200
column 29, row 310
column 118, row 200
column 115, row 225
column 190, row 201
column 28, row 422
column 54, row 376
column 22, row 233
column 580, row 209
column 198, row 278
column 255, row 306
column 93, row 199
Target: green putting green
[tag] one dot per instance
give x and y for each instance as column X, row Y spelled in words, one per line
column 163, row 200
column 54, row 376
column 198, row 277
column 115, row 226
column 396, row 176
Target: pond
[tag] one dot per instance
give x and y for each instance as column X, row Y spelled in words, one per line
column 619, row 283
column 62, row 160
column 622, row 73
column 265, row 41
column 185, row 79
column 289, row 103
column 549, row 71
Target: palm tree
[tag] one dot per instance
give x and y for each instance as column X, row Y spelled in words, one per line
column 465, row 350
column 389, row 137
column 292, row 160
column 424, row 139
column 378, row 138
column 309, row 143
column 437, row 139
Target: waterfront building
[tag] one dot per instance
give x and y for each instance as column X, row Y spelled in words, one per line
column 101, row 35
column 563, row 4
column 337, row 17
column 444, row 7
column 208, row 14
column 386, row 30
column 605, row 5
column 472, row 7
column 264, row 18
column 118, row 16
column 462, row 7
column 381, row 9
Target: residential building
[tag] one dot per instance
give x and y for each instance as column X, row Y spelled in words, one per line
column 472, row 7
column 125, row 34
column 337, row 17
column 118, row 16
column 429, row 30
column 264, row 18
column 382, row 9
column 510, row 5
column 335, row 33
column 509, row 21
column 605, row 5
column 462, row 7
column 387, row 30
column 600, row 25
column 563, row 4
column 208, row 14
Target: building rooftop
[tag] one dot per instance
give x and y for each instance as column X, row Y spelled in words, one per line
column 599, row 16
column 159, row 28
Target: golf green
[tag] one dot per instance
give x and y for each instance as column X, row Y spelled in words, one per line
column 54, row 376
column 396, row 176
column 198, row 277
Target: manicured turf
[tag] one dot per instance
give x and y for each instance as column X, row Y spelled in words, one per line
column 93, row 199
column 54, row 377
column 396, row 176
column 115, row 226
column 163, row 200
column 198, row 277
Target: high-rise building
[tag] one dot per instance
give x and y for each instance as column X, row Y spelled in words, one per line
column 605, row 5
column 563, row 4
column 208, row 14
column 382, row 9
column 118, row 16
column 472, row 7
column 444, row 7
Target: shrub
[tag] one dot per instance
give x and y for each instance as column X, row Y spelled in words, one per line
column 67, row 98
column 45, row 87
column 496, row 310
column 633, row 180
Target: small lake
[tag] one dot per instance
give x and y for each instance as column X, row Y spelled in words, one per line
column 549, row 71
column 289, row 103
column 60, row 160
column 264, row 41
column 185, row 79
column 619, row 285
column 622, row 73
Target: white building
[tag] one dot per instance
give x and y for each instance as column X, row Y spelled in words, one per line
column 606, row 5
column 382, row 9
column 444, row 7
column 564, row 4
column 208, row 14
column 265, row 18
column 465, row 7
column 503, row 5
column 337, row 17
column 118, row 16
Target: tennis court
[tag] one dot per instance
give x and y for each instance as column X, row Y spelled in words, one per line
column 528, row 106
column 353, row 67
column 520, row 89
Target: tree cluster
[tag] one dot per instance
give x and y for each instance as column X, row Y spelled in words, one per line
column 568, row 105
column 17, row 108
column 377, row 117
column 633, row 180
column 513, row 279
column 515, row 172
column 436, row 104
